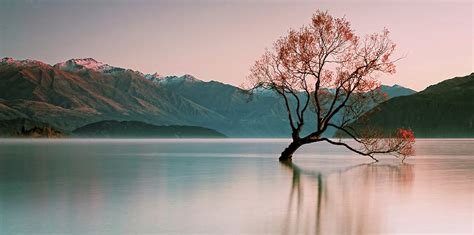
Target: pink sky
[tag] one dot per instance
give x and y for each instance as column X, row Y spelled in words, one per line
column 220, row 40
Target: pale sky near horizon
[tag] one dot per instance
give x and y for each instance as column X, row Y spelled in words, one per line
column 220, row 40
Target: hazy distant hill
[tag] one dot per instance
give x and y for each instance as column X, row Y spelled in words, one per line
column 442, row 110
column 134, row 129
column 77, row 92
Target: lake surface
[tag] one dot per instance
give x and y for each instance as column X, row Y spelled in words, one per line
column 231, row 186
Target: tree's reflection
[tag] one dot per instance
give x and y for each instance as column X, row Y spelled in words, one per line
column 349, row 201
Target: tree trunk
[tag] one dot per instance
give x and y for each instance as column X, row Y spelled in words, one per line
column 287, row 154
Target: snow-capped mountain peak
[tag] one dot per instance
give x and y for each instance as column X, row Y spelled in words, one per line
column 156, row 75
column 153, row 77
column 89, row 63
column 189, row 77
column 86, row 64
column 157, row 78
column 27, row 62
column 8, row 60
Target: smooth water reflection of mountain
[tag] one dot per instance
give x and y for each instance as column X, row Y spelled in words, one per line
column 231, row 187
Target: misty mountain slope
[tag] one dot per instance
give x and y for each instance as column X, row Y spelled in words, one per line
column 396, row 91
column 442, row 110
column 243, row 117
column 262, row 115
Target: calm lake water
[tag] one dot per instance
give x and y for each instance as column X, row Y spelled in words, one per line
column 231, row 187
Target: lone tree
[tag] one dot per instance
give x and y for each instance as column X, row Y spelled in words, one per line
column 326, row 69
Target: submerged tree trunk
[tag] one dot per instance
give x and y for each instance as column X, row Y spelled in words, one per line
column 287, row 154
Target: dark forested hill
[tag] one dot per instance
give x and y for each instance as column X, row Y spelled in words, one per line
column 21, row 127
column 442, row 110
column 134, row 129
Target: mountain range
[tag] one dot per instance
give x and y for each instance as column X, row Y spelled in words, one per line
column 79, row 92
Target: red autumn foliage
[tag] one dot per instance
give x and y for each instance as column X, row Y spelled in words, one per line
column 407, row 139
